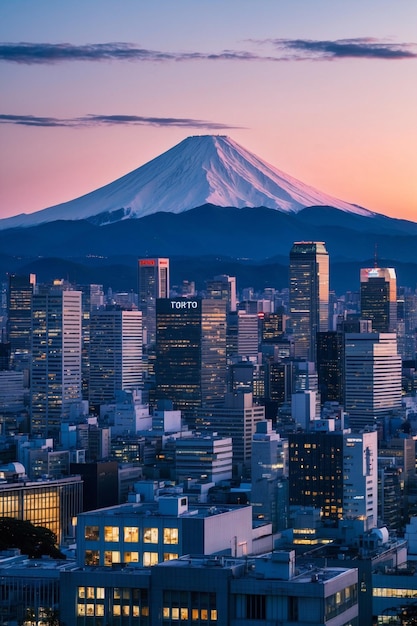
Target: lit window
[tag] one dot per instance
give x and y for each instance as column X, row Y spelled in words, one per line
column 111, row 533
column 131, row 557
column 100, row 610
column 90, row 593
column 150, row 558
column 150, row 535
column 165, row 612
column 184, row 614
column 111, row 556
column 81, row 609
column 131, row 533
column 116, row 610
column 169, row 556
column 213, row 615
column 194, row 614
column 125, row 611
column 171, row 535
column 175, row 614
column 81, row 592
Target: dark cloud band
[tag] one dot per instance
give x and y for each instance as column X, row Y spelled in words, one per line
column 100, row 120
column 284, row 50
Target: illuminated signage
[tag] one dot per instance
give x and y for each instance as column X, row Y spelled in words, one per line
column 184, row 304
column 373, row 273
column 145, row 262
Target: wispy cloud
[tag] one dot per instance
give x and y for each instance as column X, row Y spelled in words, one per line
column 284, row 50
column 359, row 48
column 115, row 120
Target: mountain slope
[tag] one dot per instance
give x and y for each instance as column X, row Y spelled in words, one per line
column 200, row 170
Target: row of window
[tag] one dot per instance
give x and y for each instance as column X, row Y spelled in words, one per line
column 97, row 610
column 131, row 534
column 177, row 614
column 92, row 557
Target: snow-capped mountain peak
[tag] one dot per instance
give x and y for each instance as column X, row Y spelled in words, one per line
column 203, row 169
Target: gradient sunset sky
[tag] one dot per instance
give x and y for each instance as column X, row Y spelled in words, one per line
column 325, row 90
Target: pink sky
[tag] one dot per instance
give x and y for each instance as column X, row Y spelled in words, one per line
column 324, row 91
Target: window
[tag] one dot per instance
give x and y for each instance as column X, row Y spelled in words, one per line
column 150, row 535
column 111, row 556
column 92, row 557
column 111, row 533
column 255, row 607
column 131, row 557
column 150, row 558
column 131, row 534
column 169, row 556
column 92, row 533
column 171, row 535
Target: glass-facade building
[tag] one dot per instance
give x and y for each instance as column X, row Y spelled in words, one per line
column 379, row 298
column 153, row 283
column 309, row 296
column 190, row 366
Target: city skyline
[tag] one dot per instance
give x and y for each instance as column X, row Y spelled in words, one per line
column 323, row 92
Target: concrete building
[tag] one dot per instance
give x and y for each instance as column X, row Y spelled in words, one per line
column 115, row 354
column 236, row 418
column 372, row 380
column 203, row 457
column 149, row 533
column 55, row 384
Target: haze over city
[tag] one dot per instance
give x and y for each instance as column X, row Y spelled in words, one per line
column 323, row 91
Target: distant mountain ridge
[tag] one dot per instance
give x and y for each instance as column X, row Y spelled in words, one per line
column 206, row 169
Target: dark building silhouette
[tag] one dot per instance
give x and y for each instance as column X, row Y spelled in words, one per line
column 19, row 317
column 309, row 296
column 330, row 360
column 153, row 283
column 101, row 484
column 190, row 366
column 379, row 298
column 316, row 472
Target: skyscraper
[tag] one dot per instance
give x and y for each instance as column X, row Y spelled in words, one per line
column 115, row 354
column 190, row 367
column 19, row 317
column 309, row 295
column 379, row 298
column 153, row 283
column 56, row 359
column 223, row 287
column 372, row 378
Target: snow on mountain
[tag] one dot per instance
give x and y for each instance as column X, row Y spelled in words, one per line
column 201, row 169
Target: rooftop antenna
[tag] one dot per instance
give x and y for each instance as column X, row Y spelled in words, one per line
column 376, row 256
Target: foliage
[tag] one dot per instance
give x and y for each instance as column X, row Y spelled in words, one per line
column 34, row 541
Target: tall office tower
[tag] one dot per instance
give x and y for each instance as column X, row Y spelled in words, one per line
column 115, row 354
column 20, row 318
column 223, row 287
column 316, row 472
column 309, row 296
column 330, row 363
column 153, row 283
column 56, row 359
column 247, row 335
column 372, row 378
column 336, row 472
column 190, row 366
column 272, row 327
column 379, row 298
